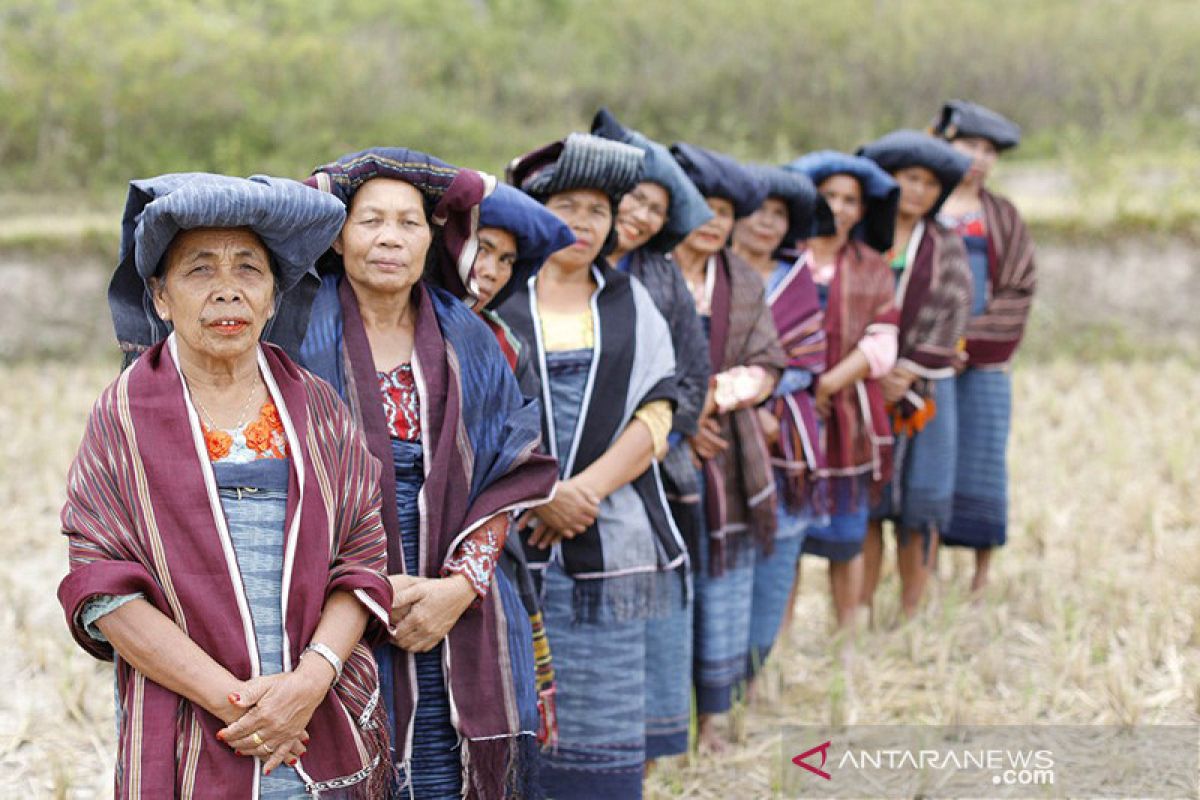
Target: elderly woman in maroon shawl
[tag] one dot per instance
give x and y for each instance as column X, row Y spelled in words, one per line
column 1002, row 266
column 856, row 290
column 223, row 513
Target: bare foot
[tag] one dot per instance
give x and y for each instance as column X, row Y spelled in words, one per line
column 710, row 741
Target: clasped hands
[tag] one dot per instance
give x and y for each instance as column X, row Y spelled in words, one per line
column 572, row 511
column 267, row 716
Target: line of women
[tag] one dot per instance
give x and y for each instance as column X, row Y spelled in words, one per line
column 417, row 484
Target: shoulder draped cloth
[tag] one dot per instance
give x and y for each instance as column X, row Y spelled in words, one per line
column 858, row 436
column 796, row 309
column 481, row 441
column 739, row 497
column 143, row 515
column 993, row 336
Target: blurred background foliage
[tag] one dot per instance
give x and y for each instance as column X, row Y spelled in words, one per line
column 95, row 92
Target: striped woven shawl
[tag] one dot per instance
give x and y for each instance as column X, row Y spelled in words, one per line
column 143, row 515
column 993, row 336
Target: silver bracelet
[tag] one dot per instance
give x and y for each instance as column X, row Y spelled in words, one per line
column 326, row 652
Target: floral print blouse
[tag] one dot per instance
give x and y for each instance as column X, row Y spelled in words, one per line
column 476, row 555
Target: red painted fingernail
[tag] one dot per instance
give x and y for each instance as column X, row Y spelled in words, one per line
column 234, row 697
column 268, row 772
column 305, row 740
column 220, row 736
column 292, row 763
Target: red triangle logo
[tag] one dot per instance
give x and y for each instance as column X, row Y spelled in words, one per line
column 823, row 749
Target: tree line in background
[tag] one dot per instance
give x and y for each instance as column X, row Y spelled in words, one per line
column 95, row 92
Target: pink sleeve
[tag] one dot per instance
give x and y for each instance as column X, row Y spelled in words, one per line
column 881, row 347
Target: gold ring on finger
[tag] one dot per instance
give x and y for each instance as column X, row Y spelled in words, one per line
column 258, row 740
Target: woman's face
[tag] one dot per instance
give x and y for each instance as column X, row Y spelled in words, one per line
column 217, row 290
column 763, row 231
column 843, row 193
column 386, row 237
column 642, row 214
column 919, row 191
column 588, row 213
column 983, row 157
column 493, row 263
column 710, row 237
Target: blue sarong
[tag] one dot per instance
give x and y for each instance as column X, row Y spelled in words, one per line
column 923, row 499
column 254, row 498
column 980, row 513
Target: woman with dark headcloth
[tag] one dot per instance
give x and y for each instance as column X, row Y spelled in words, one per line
column 933, row 292
column 856, row 291
column 651, row 219
column 731, row 452
column 223, row 513
column 766, row 241
column 1001, row 256
column 441, row 410
column 605, row 546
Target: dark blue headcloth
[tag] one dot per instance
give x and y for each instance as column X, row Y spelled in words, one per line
column 538, row 232
column 960, row 118
column 295, row 223
column 718, row 175
column 880, row 191
column 688, row 210
column 906, row 148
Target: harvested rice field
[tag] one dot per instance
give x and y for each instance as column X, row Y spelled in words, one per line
column 1092, row 616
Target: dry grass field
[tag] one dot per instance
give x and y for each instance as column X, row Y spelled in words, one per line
column 1093, row 615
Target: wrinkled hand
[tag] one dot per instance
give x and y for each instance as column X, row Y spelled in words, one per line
column 431, row 607
column 895, row 384
column 707, row 443
column 770, row 426
column 572, row 511
column 278, row 708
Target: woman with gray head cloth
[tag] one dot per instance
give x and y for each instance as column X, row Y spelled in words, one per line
column 1002, row 266
column 442, row 411
column 933, row 292
column 739, row 488
column 223, row 513
column 606, row 544
column 791, row 213
column 651, row 219
column 856, row 291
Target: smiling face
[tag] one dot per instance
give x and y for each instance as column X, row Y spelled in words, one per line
column 919, row 191
column 588, row 213
column 763, row 231
column 218, row 291
column 493, row 263
column 386, row 237
column 844, row 195
column 642, row 214
column 710, row 237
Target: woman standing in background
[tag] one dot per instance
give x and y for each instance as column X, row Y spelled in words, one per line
column 933, row 291
column 1001, row 256
column 739, row 487
column 766, row 240
column 856, row 292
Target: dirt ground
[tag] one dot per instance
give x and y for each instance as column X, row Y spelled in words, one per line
column 1093, row 615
